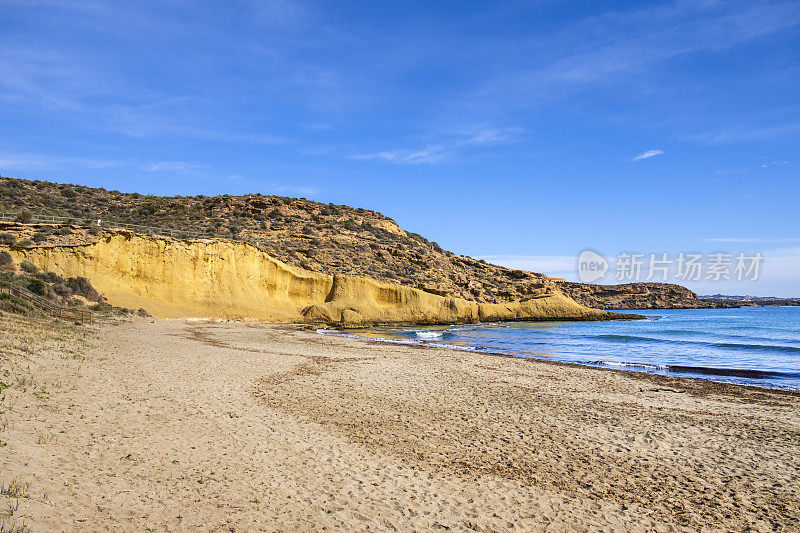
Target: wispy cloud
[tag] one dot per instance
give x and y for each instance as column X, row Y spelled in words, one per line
column 766, row 162
column 179, row 167
column 742, row 134
column 612, row 47
column 430, row 154
column 44, row 162
column 171, row 117
column 489, row 136
column 247, row 184
column 37, row 162
column 646, row 155
column 447, row 147
column 296, row 190
column 774, row 164
column 52, row 82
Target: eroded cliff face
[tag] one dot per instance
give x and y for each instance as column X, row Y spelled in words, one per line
column 230, row 279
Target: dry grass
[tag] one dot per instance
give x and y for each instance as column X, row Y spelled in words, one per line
column 14, row 489
column 13, row 527
column 28, row 345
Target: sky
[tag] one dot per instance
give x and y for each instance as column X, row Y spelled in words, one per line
column 522, row 132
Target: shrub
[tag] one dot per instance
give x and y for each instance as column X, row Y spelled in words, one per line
column 25, row 243
column 82, row 287
column 50, row 200
column 329, row 210
column 37, row 286
column 9, row 239
column 6, row 259
column 147, row 210
column 62, row 290
column 41, row 235
column 14, row 305
column 25, row 217
column 49, row 277
column 28, row 267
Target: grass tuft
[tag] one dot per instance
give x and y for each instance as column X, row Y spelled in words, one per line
column 14, row 489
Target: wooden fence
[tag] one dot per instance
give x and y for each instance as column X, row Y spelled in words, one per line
column 75, row 315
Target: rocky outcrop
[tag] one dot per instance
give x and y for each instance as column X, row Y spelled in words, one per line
column 231, row 279
column 639, row 296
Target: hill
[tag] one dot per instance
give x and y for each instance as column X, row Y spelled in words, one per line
column 642, row 295
column 325, row 238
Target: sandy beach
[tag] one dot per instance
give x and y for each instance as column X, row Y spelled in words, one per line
column 171, row 425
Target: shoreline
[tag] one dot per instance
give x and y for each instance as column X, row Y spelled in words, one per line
column 445, row 346
column 187, row 425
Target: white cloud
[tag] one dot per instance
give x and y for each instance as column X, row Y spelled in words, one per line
column 180, row 167
column 607, row 48
column 27, row 162
column 448, row 147
column 430, row 154
column 299, row 191
column 646, row 155
column 35, row 162
column 491, row 136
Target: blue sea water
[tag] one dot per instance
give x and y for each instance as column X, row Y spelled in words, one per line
column 750, row 345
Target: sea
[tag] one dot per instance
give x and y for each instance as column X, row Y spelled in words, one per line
column 757, row 346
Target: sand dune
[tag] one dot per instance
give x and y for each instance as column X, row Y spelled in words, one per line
column 184, row 426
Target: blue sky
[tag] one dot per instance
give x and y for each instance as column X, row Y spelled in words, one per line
column 520, row 131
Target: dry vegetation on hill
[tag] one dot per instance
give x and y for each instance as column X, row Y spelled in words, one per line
column 333, row 239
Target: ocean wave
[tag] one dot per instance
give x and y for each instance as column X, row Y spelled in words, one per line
column 407, row 342
column 747, row 373
column 713, row 344
column 622, row 364
column 337, row 333
column 427, row 334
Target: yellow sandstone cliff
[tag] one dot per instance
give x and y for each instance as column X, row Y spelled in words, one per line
column 230, row 279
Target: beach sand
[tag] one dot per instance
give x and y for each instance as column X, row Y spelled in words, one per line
column 188, row 425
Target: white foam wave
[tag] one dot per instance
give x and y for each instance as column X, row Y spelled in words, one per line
column 429, row 334
column 620, row 364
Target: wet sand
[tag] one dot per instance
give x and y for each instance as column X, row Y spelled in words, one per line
column 184, row 426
